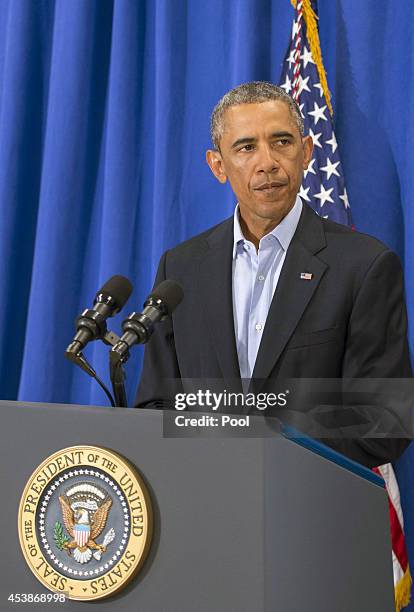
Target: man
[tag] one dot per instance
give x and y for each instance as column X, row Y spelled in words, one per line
column 276, row 291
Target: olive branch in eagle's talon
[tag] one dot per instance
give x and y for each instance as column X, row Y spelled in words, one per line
column 61, row 540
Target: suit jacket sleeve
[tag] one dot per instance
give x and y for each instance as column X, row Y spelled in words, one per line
column 377, row 348
column 160, row 378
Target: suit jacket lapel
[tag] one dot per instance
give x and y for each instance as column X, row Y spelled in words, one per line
column 292, row 294
column 216, row 293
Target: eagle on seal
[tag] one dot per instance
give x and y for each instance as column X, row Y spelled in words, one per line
column 84, row 527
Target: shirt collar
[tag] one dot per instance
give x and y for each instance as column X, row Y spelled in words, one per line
column 283, row 232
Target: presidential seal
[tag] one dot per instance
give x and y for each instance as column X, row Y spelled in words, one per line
column 85, row 522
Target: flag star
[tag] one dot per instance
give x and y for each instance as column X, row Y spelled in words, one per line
column 319, row 86
column 291, row 58
column 310, row 168
column 324, row 195
column 303, row 85
column 306, row 57
column 333, row 143
column 318, row 113
column 287, row 85
column 301, row 109
column 344, row 197
column 303, row 193
column 330, row 168
column 315, row 138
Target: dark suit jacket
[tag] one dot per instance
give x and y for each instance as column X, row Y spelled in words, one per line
column 348, row 321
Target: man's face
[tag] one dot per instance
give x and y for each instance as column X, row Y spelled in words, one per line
column 263, row 156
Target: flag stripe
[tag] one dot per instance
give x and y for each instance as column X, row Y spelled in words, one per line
column 397, row 536
column 388, row 475
column 397, row 569
column 396, row 517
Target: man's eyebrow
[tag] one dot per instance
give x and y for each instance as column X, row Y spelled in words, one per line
column 243, row 141
column 282, row 135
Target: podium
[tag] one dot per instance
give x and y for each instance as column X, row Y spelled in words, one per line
column 240, row 524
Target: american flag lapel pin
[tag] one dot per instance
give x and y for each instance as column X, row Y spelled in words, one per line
column 306, row 275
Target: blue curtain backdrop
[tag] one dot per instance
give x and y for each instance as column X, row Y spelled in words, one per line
column 104, row 121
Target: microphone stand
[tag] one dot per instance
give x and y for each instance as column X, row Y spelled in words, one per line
column 117, row 375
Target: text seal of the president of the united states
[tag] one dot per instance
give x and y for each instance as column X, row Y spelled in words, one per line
column 85, row 522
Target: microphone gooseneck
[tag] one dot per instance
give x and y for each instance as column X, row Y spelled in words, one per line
column 139, row 326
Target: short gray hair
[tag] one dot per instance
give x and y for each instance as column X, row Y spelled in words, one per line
column 254, row 92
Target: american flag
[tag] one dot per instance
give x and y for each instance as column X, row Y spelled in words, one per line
column 323, row 188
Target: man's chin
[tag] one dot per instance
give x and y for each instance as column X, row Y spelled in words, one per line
column 272, row 207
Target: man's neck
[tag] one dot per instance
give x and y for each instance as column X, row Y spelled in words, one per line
column 257, row 228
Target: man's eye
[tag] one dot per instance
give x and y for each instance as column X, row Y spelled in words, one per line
column 282, row 142
column 247, row 147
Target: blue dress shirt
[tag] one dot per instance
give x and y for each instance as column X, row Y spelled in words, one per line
column 255, row 278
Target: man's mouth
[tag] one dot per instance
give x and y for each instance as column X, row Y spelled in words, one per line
column 267, row 187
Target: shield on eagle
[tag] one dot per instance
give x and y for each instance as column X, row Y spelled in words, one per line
column 81, row 534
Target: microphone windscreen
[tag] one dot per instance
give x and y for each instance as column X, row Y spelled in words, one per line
column 119, row 288
column 170, row 293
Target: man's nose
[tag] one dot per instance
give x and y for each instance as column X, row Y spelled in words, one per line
column 267, row 161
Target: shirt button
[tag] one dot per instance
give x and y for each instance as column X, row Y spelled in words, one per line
column 261, row 277
column 259, row 327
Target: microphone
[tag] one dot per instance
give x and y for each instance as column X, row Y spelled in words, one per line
column 139, row 326
column 91, row 324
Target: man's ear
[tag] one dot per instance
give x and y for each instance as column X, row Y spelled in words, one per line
column 307, row 144
column 215, row 161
